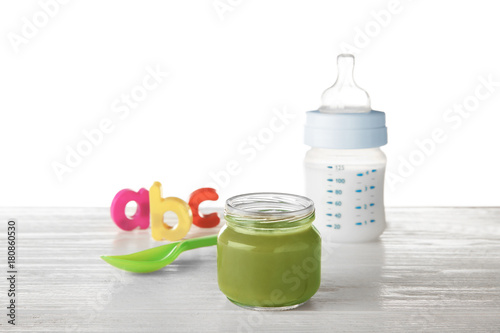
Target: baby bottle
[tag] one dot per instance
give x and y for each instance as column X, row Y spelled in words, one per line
column 345, row 167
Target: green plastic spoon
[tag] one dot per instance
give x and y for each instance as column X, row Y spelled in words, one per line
column 158, row 257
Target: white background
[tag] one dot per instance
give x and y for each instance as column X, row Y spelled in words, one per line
column 228, row 70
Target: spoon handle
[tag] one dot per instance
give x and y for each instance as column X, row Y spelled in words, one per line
column 195, row 243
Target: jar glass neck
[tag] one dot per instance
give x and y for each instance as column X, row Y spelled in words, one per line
column 269, row 211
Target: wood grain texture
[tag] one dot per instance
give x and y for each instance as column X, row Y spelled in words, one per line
column 435, row 269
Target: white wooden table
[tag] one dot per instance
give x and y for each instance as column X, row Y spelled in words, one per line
column 435, row 269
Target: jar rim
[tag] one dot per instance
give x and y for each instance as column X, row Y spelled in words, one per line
column 269, row 210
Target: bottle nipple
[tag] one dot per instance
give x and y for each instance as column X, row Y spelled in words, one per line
column 345, row 96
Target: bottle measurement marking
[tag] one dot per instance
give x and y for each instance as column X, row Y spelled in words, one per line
column 333, row 206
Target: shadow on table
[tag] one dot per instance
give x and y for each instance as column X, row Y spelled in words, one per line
column 351, row 277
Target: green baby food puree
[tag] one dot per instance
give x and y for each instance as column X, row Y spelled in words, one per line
column 269, row 268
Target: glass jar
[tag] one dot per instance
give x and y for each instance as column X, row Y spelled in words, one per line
column 269, row 253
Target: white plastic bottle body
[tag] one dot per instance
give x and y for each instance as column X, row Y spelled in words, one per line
column 347, row 187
